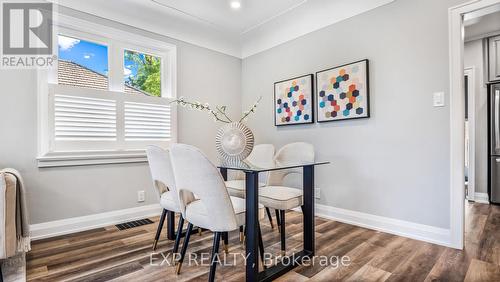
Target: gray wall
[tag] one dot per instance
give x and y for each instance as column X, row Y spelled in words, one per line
column 57, row 193
column 395, row 164
column 473, row 57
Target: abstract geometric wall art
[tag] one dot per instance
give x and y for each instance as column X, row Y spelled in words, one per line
column 293, row 101
column 343, row 93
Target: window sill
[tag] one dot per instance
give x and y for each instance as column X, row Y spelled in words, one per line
column 62, row 159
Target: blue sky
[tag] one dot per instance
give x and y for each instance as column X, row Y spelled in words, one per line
column 90, row 55
column 85, row 53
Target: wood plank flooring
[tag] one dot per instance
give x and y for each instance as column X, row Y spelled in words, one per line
column 108, row 254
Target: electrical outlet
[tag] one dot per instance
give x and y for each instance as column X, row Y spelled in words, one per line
column 317, row 193
column 141, row 196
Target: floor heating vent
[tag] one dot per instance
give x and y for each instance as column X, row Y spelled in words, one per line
column 135, row 223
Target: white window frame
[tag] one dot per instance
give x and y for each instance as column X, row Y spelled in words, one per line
column 116, row 41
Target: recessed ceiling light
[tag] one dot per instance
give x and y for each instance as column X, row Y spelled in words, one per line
column 235, row 5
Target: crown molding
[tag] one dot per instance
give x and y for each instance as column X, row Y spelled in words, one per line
column 312, row 16
column 153, row 20
column 308, row 16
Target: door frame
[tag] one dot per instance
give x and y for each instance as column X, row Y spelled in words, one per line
column 457, row 117
column 470, row 72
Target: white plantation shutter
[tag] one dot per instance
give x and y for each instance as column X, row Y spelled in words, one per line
column 84, row 119
column 81, row 118
column 145, row 121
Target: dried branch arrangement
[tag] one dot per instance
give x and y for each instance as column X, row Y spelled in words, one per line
column 218, row 112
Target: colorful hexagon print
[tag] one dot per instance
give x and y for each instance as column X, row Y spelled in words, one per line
column 342, row 92
column 293, row 101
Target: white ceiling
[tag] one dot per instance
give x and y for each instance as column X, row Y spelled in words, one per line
column 219, row 14
column 257, row 26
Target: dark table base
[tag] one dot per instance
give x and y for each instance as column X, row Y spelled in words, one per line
column 280, row 269
column 252, row 206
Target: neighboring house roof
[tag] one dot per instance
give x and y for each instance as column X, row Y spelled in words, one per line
column 70, row 73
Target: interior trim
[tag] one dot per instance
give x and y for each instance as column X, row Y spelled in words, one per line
column 83, row 223
column 481, row 198
column 421, row 232
column 427, row 233
column 252, row 40
column 457, row 125
column 90, row 158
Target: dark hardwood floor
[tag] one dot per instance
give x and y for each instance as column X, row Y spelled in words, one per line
column 106, row 254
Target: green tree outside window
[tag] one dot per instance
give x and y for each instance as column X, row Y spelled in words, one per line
column 144, row 72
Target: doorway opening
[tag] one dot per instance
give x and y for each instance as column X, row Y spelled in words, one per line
column 464, row 112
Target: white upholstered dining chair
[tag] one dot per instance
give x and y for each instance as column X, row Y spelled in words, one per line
column 262, row 156
column 164, row 182
column 283, row 198
column 213, row 209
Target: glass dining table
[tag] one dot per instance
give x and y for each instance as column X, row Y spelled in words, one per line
column 252, row 205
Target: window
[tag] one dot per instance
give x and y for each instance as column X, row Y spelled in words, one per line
column 82, row 63
column 143, row 72
column 108, row 98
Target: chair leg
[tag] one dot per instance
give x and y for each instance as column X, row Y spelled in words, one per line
column 278, row 221
column 184, row 247
column 170, row 225
column 225, row 242
column 160, row 226
column 282, row 232
column 261, row 248
column 268, row 211
column 242, row 235
column 215, row 250
column 178, row 235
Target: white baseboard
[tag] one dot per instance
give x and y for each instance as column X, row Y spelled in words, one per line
column 398, row 227
column 403, row 228
column 82, row 223
column 481, row 198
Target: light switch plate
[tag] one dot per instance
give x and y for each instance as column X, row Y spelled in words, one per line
column 438, row 99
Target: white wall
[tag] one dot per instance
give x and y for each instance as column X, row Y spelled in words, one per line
column 395, row 164
column 58, row 193
column 473, row 57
